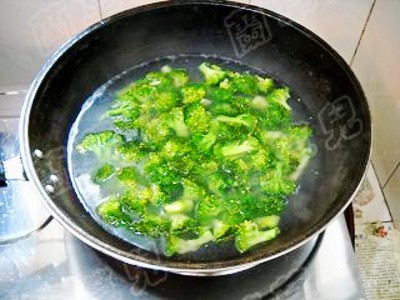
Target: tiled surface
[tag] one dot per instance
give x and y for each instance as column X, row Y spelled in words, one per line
column 392, row 194
column 338, row 22
column 111, row 7
column 369, row 204
column 377, row 66
column 378, row 255
column 31, row 30
column 377, row 242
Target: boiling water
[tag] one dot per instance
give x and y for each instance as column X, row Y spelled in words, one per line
column 91, row 119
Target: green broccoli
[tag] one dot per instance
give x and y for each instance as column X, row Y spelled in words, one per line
column 165, row 100
column 280, row 96
column 204, row 162
column 158, row 79
column 237, row 149
column 248, row 235
column 212, row 73
column 193, row 93
column 205, row 142
column 246, row 120
column 267, row 221
column 197, row 119
column 275, row 183
column 174, row 119
column 259, row 103
column 110, row 211
column 104, row 173
column 243, row 83
column 100, row 143
column 264, row 84
column 176, row 245
column 131, row 151
column 179, row 77
column 220, row 229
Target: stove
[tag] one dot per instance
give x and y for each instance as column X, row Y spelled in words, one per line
column 41, row 260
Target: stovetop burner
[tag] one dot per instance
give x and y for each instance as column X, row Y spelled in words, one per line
column 54, row 264
column 270, row 278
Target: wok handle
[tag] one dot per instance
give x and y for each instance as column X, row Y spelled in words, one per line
column 11, row 169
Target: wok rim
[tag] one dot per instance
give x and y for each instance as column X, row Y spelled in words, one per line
column 191, row 268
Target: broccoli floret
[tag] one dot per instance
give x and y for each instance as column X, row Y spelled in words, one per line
column 220, row 229
column 132, row 151
column 197, row 119
column 128, row 110
column 225, row 132
column 174, row 119
column 165, row 100
column 208, row 208
column 246, row 120
column 236, row 149
column 158, row 79
column 219, row 95
column 140, row 91
column 259, row 103
column 179, row 77
column 205, row 142
column 243, row 83
column 100, row 143
column 248, row 235
column 110, row 211
column 280, row 96
column 276, row 117
column 267, row 222
column 191, row 192
column 225, row 84
column 134, row 205
column 155, row 132
column 264, row 84
column 275, row 183
column 103, row 173
column 130, row 177
column 179, row 206
column 159, row 172
column 182, row 225
column 151, row 225
column 176, row 245
column 193, row 93
column 212, row 73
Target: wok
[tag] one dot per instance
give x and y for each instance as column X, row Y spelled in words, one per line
column 332, row 103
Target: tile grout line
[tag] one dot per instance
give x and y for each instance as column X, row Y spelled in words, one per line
column 100, row 12
column 391, row 175
column 362, row 33
column 381, row 190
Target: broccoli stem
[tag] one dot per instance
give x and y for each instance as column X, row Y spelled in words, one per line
column 237, row 149
column 179, row 206
column 181, row 246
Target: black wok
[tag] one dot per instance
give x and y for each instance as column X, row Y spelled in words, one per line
column 332, row 102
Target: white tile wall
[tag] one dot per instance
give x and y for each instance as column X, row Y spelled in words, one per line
column 338, row 22
column 377, row 66
column 111, row 7
column 31, row 30
column 11, row 104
